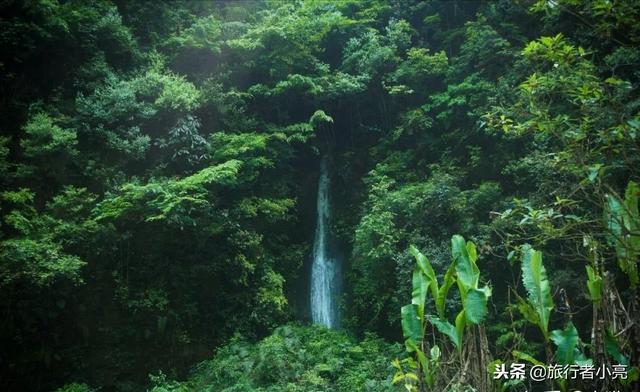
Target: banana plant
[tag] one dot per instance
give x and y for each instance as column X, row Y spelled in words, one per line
column 622, row 221
column 537, row 310
column 567, row 352
column 538, row 306
column 422, row 367
column 465, row 272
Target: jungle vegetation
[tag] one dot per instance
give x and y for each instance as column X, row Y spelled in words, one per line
column 158, row 173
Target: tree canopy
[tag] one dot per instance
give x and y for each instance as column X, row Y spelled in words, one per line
column 158, row 169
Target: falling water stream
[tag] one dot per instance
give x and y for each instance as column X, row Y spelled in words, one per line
column 325, row 265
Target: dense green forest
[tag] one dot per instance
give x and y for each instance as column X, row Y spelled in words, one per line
column 159, row 165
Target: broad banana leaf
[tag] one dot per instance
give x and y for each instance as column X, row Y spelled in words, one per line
column 467, row 271
column 411, row 326
column 471, row 250
column 567, row 342
column 419, row 292
column 449, row 280
column 623, row 222
column 534, row 277
column 425, row 265
column 475, row 305
column 446, row 328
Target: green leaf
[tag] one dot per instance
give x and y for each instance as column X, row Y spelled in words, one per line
column 425, row 266
column 471, row 250
column 526, row 357
column 623, row 222
column 567, row 341
column 460, row 324
column 435, row 353
column 419, row 292
column 320, row 117
column 594, row 284
column 397, row 378
column 411, row 327
column 424, row 362
column 631, row 198
column 527, row 311
column 613, row 349
column 534, row 277
column 581, row 359
column 633, row 375
column 446, row 328
column 475, row 306
column 449, row 280
column 594, row 171
column 466, row 270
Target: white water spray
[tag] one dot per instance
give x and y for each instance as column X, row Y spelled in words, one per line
column 324, row 268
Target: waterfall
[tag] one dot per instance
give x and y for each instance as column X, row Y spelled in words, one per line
column 325, row 264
